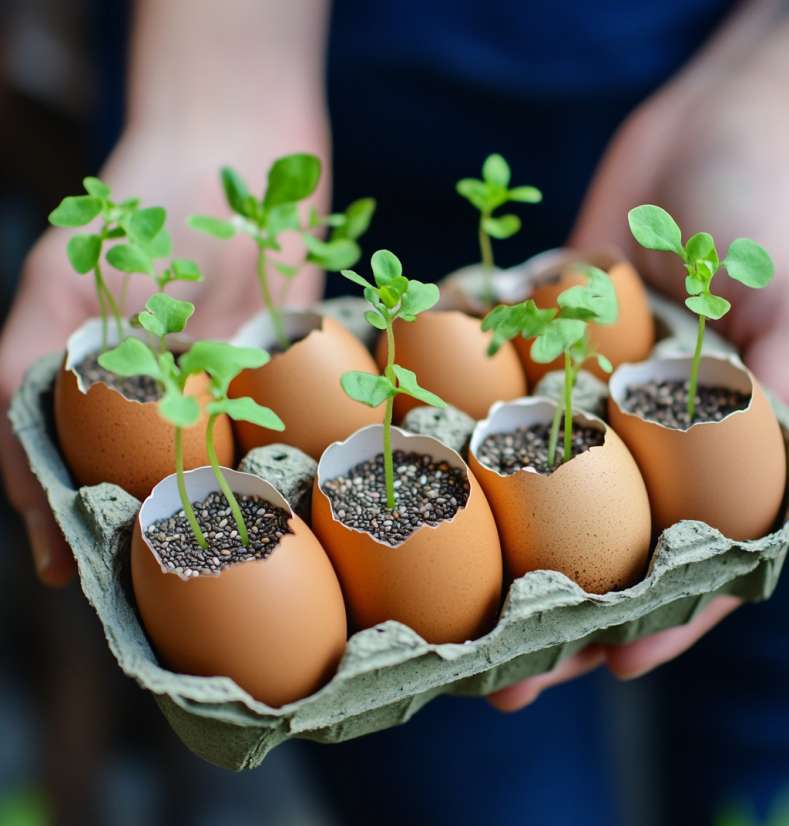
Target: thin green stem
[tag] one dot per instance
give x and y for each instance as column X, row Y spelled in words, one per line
column 102, row 309
column 268, row 302
column 220, row 478
column 568, row 408
column 486, row 250
column 553, row 439
column 694, row 370
column 185, row 503
column 388, row 458
column 124, row 292
column 110, row 299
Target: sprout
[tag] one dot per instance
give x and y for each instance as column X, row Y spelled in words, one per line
column 487, row 196
column 556, row 332
column 291, row 180
column 746, row 262
column 392, row 296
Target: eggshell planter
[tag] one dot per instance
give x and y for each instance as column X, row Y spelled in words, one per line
column 730, row 474
column 442, row 581
column 588, row 518
column 388, row 672
column 106, row 437
column 447, row 351
column 303, row 383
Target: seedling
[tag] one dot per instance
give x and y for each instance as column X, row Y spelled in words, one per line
column 487, row 196
column 291, row 179
column 222, row 362
column 745, row 261
column 393, row 296
column 560, row 331
column 144, row 227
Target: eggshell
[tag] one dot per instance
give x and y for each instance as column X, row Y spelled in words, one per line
column 630, row 338
column 730, row 474
column 105, row 437
column 443, row 581
column 447, row 351
column 303, row 384
column 589, row 518
column 276, row 626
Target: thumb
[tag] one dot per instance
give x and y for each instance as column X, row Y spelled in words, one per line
column 767, row 357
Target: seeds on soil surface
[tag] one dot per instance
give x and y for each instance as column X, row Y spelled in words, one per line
column 174, row 542
column 431, row 492
column 526, row 448
column 666, row 402
column 134, row 388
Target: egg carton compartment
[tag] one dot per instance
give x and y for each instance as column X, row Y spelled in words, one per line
column 388, row 672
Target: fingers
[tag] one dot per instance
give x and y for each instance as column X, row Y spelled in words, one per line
column 522, row 694
column 638, row 658
column 767, row 357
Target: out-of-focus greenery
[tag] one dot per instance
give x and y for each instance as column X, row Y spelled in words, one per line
column 741, row 814
column 23, row 808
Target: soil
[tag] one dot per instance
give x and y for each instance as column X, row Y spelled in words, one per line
column 134, row 388
column 174, row 542
column 427, row 492
column 666, row 402
column 527, row 448
column 276, row 349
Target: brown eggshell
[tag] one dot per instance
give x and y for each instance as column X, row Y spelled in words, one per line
column 444, row 582
column 276, row 626
column 105, row 437
column 589, row 518
column 303, row 384
column 730, row 474
column 630, row 338
column 447, row 351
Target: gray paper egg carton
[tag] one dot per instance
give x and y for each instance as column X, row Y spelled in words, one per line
column 388, row 672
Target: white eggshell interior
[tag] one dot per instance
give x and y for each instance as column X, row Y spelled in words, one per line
column 259, row 330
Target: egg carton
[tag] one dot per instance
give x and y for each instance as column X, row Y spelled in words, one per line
column 389, row 672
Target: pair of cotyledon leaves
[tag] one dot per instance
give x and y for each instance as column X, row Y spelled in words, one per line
column 745, row 261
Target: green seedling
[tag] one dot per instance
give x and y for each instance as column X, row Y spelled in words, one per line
column 144, row 227
column 222, row 362
column 745, row 261
column 487, row 195
column 560, row 331
column 391, row 297
column 163, row 316
column 291, row 180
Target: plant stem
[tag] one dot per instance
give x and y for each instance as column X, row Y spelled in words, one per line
column 124, row 291
column 694, row 370
column 102, row 309
column 486, row 249
column 274, row 311
column 554, row 435
column 388, row 459
column 220, row 478
column 185, row 503
column 101, row 286
column 568, row 408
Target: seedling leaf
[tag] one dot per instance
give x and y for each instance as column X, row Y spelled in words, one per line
column 184, row 269
column 334, row 255
column 708, row 305
column 605, row 363
column 75, row 211
column 356, row 278
column 164, row 315
column 245, row 409
column 357, row 219
column 749, row 263
column 83, row 252
column 474, row 191
column 700, row 246
column 236, row 192
column 597, row 298
column 367, row 388
column 160, row 246
column 129, row 258
column 131, row 358
column 386, row 267
column 222, row 361
column 291, row 179
column 495, row 170
column 178, row 409
column 212, row 226
column 558, row 335
column 503, row 227
column 408, row 384
column 693, row 285
column 655, row 229
column 96, row 187
column 375, row 319
column 146, row 224
column 525, row 195
column 417, row 298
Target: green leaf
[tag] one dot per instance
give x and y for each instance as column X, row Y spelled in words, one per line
column 184, row 269
column 495, row 170
column 291, row 179
column 408, row 384
column 164, row 314
column 285, row 270
column 375, row 319
column 160, row 246
column 525, row 319
column 75, row 211
column 386, row 267
column 334, row 255
column 389, row 296
column 749, row 263
column 212, row 226
column 417, row 298
column 655, row 229
column 367, row 388
column 178, row 409
column 525, row 194
column 283, row 217
column 700, row 246
column 83, row 252
column 605, row 364
column 502, row 227
column 96, row 187
column 355, row 277
column 128, row 258
column 558, row 336
column 131, row 358
column 474, row 191
column 236, row 193
column 146, row 224
column 708, row 305
column 597, row 298
column 358, row 216
column 693, row 285
column 222, row 361
column 245, row 409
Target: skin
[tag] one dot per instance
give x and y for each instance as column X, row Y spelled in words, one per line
column 711, row 147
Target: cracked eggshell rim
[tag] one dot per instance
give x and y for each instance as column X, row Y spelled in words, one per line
column 259, row 330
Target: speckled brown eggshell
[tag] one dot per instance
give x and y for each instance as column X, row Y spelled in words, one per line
column 730, row 474
column 630, row 338
column 447, row 351
column 105, row 437
column 303, row 384
column 276, row 626
column 444, row 582
column 589, row 518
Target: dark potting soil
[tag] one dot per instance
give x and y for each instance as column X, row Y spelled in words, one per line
column 427, row 492
column 276, row 349
column 666, row 402
column 134, row 388
column 527, row 448
column 174, row 542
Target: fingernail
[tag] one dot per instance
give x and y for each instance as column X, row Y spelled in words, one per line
column 36, row 525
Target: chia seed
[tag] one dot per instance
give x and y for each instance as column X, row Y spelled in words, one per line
column 666, row 402
column 133, row 388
